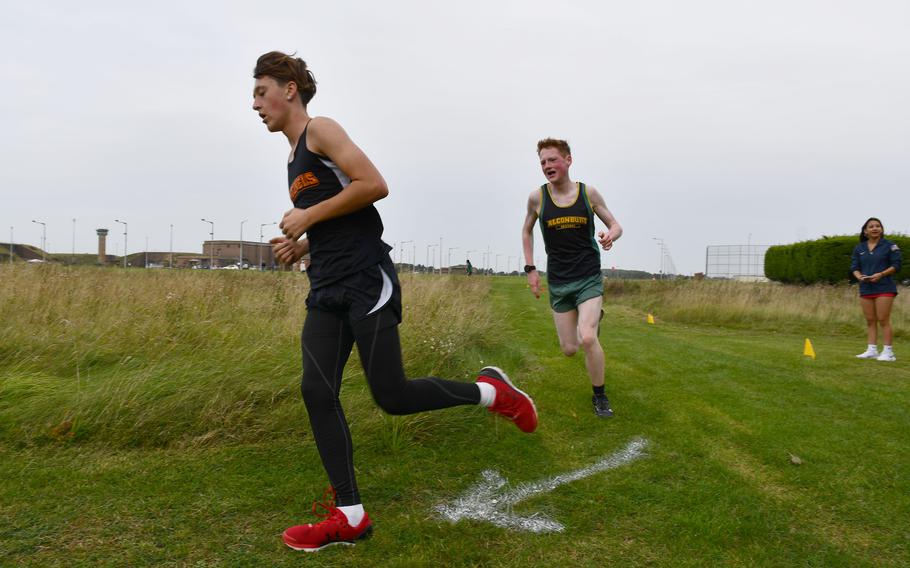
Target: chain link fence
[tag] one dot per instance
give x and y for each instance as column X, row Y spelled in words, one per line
column 735, row 261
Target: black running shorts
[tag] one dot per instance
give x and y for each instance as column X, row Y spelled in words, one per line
column 362, row 297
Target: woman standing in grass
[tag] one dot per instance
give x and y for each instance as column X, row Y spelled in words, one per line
column 875, row 259
column 354, row 296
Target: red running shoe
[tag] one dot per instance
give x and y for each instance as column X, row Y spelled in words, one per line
column 333, row 530
column 510, row 402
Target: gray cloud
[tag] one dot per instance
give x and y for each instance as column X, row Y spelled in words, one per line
column 703, row 122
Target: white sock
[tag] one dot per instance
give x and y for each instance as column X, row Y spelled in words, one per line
column 886, row 349
column 354, row 513
column 487, row 394
column 874, row 347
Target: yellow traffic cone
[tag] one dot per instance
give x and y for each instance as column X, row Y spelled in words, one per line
column 650, row 319
column 808, row 351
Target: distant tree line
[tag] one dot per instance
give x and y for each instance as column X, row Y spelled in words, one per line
column 628, row 274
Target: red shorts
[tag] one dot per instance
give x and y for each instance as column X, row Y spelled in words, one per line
column 882, row 295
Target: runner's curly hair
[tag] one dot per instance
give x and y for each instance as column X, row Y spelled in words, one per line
column 285, row 68
column 561, row 146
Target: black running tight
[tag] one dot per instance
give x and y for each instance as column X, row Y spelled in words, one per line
column 326, row 342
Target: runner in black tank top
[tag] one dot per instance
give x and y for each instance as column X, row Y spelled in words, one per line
column 343, row 245
column 568, row 236
column 566, row 210
column 354, row 296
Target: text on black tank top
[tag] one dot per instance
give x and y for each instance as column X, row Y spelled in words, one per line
column 568, row 236
column 340, row 246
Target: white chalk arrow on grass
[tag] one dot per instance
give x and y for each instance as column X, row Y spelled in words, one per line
column 485, row 502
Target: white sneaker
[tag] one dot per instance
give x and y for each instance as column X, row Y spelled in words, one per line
column 886, row 356
column 868, row 354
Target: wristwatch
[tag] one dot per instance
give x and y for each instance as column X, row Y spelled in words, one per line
column 529, row 268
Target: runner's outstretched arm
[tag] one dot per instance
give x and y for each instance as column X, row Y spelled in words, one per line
column 527, row 240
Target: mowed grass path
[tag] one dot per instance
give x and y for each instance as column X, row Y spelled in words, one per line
column 722, row 409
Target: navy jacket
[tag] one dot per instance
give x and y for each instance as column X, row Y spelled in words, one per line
column 885, row 254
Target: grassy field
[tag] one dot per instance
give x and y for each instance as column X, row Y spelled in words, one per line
column 154, row 418
column 823, row 309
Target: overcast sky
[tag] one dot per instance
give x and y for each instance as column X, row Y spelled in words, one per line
column 701, row 121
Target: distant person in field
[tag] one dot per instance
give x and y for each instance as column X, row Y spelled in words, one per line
column 469, row 268
column 354, row 296
column 565, row 210
column 875, row 260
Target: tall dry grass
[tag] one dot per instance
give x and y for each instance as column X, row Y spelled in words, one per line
column 755, row 305
column 160, row 357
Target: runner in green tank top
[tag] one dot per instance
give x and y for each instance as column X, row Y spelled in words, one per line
column 566, row 211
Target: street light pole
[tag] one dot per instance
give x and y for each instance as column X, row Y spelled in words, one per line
column 260, row 241
column 43, row 238
column 660, row 243
column 429, row 268
column 449, row 257
column 401, row 253
column 240, row 266
column 124, row 239
column 171, row 261
column 211, row 243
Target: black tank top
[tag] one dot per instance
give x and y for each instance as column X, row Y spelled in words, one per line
column 343, row 245
column 568, row 236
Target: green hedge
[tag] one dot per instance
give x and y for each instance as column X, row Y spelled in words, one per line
column 823, row 260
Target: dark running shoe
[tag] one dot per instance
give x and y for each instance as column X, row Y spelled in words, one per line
column 602, row 406
column 510, row 402
column 335, row 529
